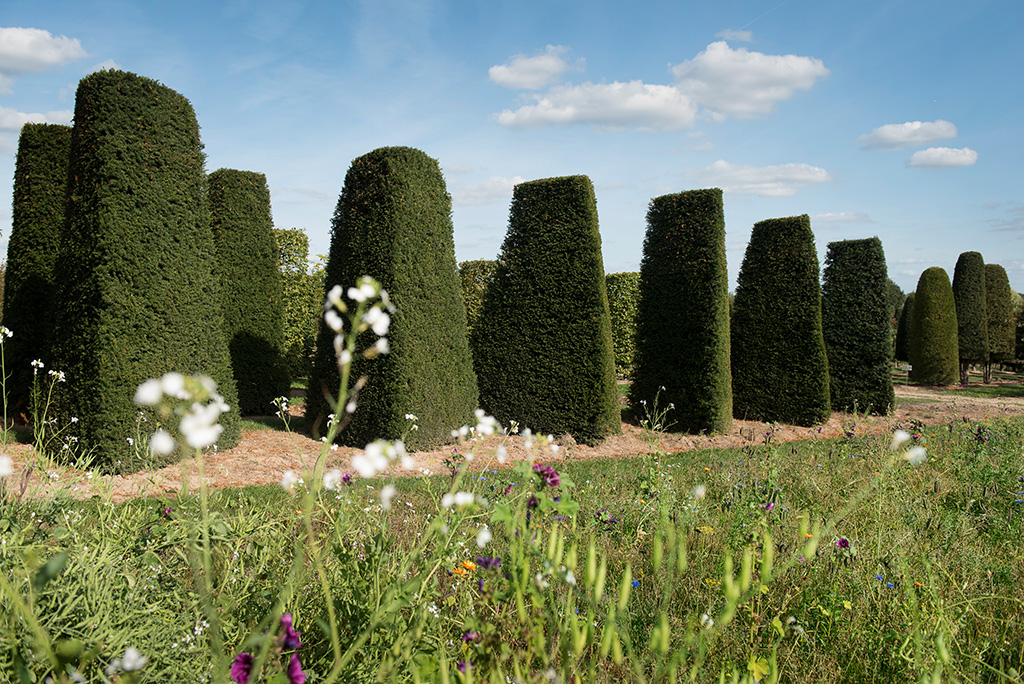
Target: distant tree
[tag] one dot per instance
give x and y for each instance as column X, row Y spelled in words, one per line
column 682, row 339
column 393, row 223
column 137, row 296
column 779, row 367
column 475, row 276
column 623, row 301
column 855, row 319
column 40, row 192
column 303, row 299
column 894, row 298
column 999, row 309
column 903, row 329
column 542, row 344
column 933, row 331
column 972, row 321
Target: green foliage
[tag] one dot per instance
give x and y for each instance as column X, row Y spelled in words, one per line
column 999, row 309
column 971, row 319
column 40, row 189
column 393, row 223
column 903, row 329
column 779, row 369
column 137, row 295
column 933, row 330
column 543, row 344
column 855, row 321
column 251, row 288
column 683, row 317
column 303, row 299
column 894, row 298
column 623, row 300
column 475, row 276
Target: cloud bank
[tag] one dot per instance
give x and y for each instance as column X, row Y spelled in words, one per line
column 943, row 157
column 780, row 180
column 909, row 134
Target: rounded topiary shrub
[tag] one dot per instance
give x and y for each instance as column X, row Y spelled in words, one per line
column 903, row 329
column 933, row 334
column 250, row 283
column 999, row 309
column 40, row 190
column 137, row 296
column 393, row 223
column 623, row 301
column 971, row 319
column 543, row 344
column 779, row 367
column 682, row 339
column 856, row 324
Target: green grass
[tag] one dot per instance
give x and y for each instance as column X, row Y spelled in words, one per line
column 990, row 391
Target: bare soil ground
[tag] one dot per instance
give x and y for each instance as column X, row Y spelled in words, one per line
column 264, row 455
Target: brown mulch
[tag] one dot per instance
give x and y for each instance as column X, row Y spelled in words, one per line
column 264, row 455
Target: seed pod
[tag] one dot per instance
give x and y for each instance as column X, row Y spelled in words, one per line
column 627, row 579
column 599, row 582
column 658, row 549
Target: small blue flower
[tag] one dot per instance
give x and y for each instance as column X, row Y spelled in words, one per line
column 636, row 583
column 879, row 578
column 890, row 585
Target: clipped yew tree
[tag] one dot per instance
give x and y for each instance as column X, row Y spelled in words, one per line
column 303, row 299
column 999, row 310
column 682, row 338
column 903, row 329
column 933, row 331
column 40, row 189
column 623, row 301
column 137, row 296
column 779, row 367
column 971, row 319
column 856, row 324
column 251, row 287
column 393, row 222
column 543, row 343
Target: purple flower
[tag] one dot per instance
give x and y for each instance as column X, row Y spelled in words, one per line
column 469, row 636
column 290, row 639
column 347, row 479
column 488, row 562
column 241, row 668
column 843, row 543
column 295, row 673
column 769, row 506
column 463, row 665
column 548, row 474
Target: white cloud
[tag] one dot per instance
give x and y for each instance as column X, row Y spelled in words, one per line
column 943, row 157
column 494, row 189
column 766, row 181
column 909, row 134
column 842, row 217
column 28, row 50
column 744, row 83
column 730, row 34
column 613, row 105
column 13, row 120
column 533, row 73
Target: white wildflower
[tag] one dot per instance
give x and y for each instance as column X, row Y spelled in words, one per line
column 161, row 443
column 382, row 346
column 483, row 537
column 6, row 466
column 289, row 480
column 898, row 439
column 332, row 479
column 386, row 494
column 699, row 491
column 132, row 660
column 916, row 455
column 501, row 453
column 334, row 321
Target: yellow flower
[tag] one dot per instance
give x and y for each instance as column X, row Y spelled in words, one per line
column 469, row 565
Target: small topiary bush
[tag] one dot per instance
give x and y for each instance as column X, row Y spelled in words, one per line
column 623, row 301
column 250, row 282
column 543, row 344
column 856, row 324
column 971, row 319
column 137, row 296
column 682, row 338
column 40, row 189
column 933, row 331
column 393, row 223
column 779, row 367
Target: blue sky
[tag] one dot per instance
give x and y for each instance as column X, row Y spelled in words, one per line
column 898, row 119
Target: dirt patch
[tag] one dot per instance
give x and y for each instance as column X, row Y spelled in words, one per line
column 264, row 455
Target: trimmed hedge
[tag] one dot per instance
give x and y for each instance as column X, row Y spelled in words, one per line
column 543, row 343
column 856, row 324
column 303, row 299
column 779, row 367
column 971, row 319
column 40, row 191
column 474, row 277
column 682, row 338
column 250, row 282
column 903, row 329
column 137, row 296
column 393, row 222
column 933, row 331
column 623, row 300
column 999, row 310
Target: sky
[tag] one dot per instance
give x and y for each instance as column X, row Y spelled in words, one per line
column 896, row 119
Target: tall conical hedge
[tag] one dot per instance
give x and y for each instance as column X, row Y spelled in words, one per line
column 393, row 222
column 933, row 330
column 40, row 191
column 137, row 296
column 623, row 302
column 903, row 329
column 543, row 345
column 999, row 310
column 251, row 288
column 856, row 323
column 971, row 319
column 682, row 339
column 779, row 367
